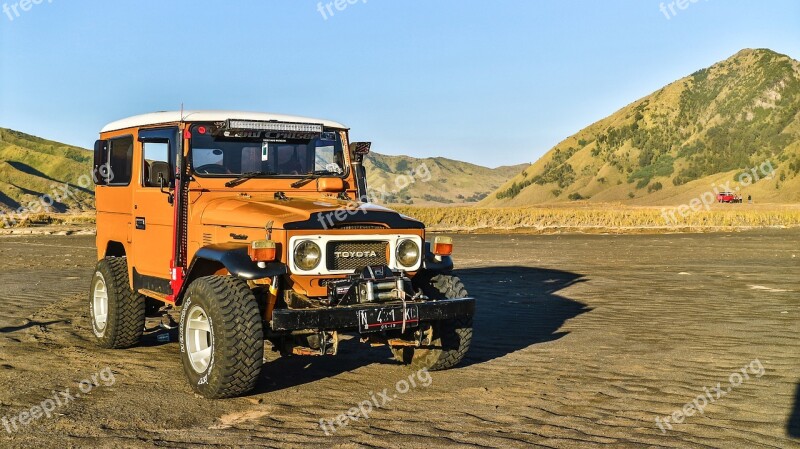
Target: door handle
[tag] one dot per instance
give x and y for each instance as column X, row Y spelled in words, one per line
column 141, row 224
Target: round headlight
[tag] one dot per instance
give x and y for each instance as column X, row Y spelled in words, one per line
column 307, row 255
column 408, row 253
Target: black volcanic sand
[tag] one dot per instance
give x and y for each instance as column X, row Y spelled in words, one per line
column 580, row 341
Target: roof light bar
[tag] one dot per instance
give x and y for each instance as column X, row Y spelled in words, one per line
column 274, row 126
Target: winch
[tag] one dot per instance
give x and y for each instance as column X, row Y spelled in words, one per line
column 371, row 284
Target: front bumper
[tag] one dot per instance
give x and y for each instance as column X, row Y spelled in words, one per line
column 346, row 318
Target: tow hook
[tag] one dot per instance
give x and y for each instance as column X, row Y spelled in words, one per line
column 422, row 338
column 328, row 345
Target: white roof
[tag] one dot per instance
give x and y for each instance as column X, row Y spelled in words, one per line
column 158, row 118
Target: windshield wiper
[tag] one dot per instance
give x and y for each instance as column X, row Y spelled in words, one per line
column 312, row 176
column 244, row 177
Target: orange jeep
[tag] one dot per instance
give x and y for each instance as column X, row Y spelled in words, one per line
column 256, row 227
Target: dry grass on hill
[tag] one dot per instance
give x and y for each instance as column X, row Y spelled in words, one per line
column 599, row 218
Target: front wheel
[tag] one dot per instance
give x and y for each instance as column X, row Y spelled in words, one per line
column 451, row 338
column 221, row 337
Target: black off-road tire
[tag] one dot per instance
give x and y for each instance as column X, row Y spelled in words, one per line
column 236, row 337
column 125, row 309
column 451, row 338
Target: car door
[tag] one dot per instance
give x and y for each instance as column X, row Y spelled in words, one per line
column 153, row 210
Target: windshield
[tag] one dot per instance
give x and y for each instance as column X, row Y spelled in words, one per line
column 267, row 154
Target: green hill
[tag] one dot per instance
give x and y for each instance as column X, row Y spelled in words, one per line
column 432, row 181
column 695, row 134
column 31, row 167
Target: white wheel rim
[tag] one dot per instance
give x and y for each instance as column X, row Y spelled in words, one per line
column 199, row 339
column 100, row 303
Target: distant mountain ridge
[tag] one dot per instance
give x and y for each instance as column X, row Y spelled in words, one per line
column 668, row 147
column 434, row 181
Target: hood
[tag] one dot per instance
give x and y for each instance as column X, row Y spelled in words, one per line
column 300, row 213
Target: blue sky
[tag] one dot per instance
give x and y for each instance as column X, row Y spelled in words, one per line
column 490, row 82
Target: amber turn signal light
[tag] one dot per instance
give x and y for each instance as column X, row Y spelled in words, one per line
column 443, row 246
column 263, row 251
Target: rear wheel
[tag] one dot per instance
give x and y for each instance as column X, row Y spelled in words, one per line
column 221, row 337
column 117, row 312
column 451, row 338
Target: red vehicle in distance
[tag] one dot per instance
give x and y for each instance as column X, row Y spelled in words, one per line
column 728, row 197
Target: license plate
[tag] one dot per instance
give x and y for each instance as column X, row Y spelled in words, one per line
column 389, row 318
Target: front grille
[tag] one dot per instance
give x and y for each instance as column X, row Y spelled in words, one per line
column 359, row 226
column 351, row 255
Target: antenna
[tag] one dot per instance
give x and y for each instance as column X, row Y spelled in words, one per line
column 182, row 117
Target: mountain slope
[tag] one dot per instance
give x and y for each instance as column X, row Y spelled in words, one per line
column 31, row 167
column 683, row 140
column 432, row 181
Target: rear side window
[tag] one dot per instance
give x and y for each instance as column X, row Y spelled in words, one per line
column 120, row 161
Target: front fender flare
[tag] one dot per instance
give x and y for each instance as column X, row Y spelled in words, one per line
column 235, row 259
column 232, row 257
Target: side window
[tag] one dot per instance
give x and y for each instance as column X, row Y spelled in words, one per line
column 156, row 170
column 120, row 161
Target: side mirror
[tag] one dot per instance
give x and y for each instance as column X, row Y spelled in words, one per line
column 100, row 160
column 159, row 177
column 360, row 148
column 162, row 184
